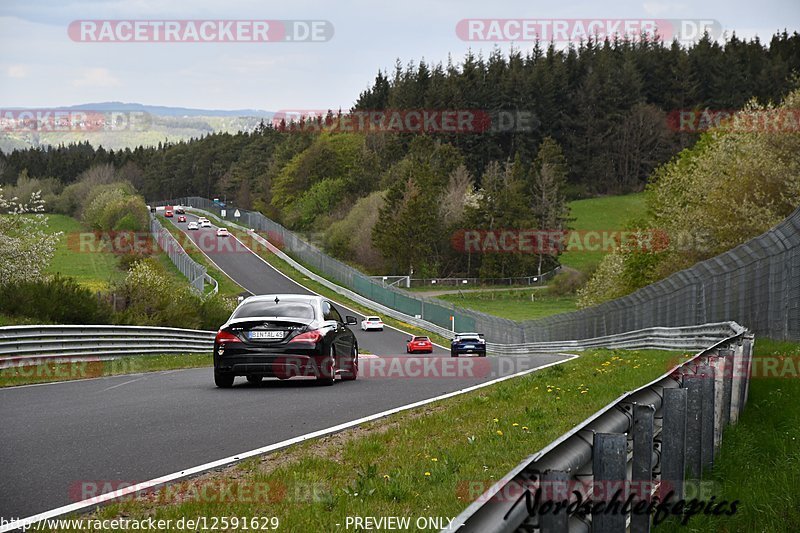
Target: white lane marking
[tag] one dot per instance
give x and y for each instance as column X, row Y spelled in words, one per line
column 196, row 245
column 115, row 376
column 121, row 384
column 26, row 522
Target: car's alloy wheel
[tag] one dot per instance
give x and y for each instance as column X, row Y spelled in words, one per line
column 352, row 369
column 327, row 376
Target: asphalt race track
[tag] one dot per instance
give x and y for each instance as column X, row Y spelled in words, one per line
column 133, row 428
column 258, row 277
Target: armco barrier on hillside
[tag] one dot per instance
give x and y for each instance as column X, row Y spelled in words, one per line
column 671, row 429
column 194, row 272
column 756, row 283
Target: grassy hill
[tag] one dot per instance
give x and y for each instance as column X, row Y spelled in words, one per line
column 607, row 213
column 96, row 270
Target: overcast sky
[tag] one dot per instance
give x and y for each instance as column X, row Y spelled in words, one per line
column 41, row 66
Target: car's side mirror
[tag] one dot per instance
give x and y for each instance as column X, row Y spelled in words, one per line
column 350, row 320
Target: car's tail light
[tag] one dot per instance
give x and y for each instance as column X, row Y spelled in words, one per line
column 309, row 337
column 224, row 336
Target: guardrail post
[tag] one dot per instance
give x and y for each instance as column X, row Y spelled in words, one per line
column 708, row 414
column 642, row 469
column 555, row 487
column 609, row 467
column 673, row 442
column 748, row 363
column 694, row 423
column 738, row 366
column 727, row 386
column 717, row 364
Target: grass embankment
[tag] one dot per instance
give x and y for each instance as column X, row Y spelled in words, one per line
column 49, row 372
column 513, row 304
column 607, row 213
column 417, row 463
column 96, row 270
column 227, row 287
column 93, row 266
column 759, row 462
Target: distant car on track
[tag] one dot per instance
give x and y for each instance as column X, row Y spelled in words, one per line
column 179, row 210
column 283, row 336
column 419, row 344
column 168, row 214
column 222, row 232
column 205, row 224
column 181, row 218
column 468, row 343
column 372, row 322
column 192, row 225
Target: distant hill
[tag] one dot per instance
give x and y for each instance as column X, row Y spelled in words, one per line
column 164, row 111
column 163, row 123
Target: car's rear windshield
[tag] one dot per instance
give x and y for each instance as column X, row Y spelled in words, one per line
column 269, row 308
column 373, row 318
column 421, row 338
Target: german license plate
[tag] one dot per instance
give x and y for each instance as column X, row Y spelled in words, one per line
column 266, row 335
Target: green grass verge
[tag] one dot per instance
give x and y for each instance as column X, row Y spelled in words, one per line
column 610, row 213
column 416, row 463
column 48, row 372
column 516, row 305
column 227, row 287
column 759, row 462
column 94, row 270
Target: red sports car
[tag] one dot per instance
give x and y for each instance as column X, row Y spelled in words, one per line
column 419, row 344
column 168, row 214
column 181, row 218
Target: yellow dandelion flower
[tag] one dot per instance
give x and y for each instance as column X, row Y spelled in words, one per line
column 499, row 432
column 515, row 424
column 427, row 473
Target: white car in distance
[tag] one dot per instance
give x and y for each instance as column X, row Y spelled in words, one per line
column 222, row 232
column 192, row 225
column 205, row 224
column 372, row 322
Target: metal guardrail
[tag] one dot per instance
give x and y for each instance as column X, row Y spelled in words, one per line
column 678, row 338
column 642, row 444
column 194, row 271
column 19, row 344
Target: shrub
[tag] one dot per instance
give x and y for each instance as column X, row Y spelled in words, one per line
column 567, row 282
column 57, row 299
column 214, row 311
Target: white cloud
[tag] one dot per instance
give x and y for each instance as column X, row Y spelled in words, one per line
column 96, row 77
column 17, row 71
column 656, row 9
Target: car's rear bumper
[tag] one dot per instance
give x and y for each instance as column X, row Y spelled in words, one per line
column 272, row 363
column 468, row 351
